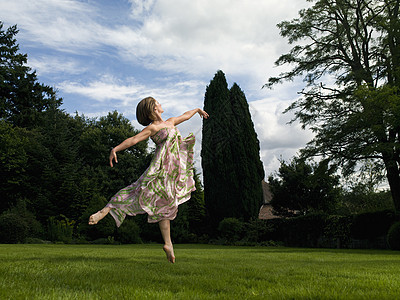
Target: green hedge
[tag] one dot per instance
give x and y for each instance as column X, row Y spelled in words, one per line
column 393, row 237
column 322, row 230
column 303, row 231
column 231, row 229
column 371, row 225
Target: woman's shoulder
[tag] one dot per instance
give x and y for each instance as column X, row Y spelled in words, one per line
column 170, row 122
column 150, row 128
column 153, row 129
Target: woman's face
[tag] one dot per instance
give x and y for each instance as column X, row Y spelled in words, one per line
column 158, row 108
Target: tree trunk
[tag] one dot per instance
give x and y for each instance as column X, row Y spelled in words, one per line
column 393, row 176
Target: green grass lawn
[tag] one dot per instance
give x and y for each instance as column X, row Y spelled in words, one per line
column 200, row 272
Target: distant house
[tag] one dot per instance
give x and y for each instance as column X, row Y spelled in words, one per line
column 266, row 209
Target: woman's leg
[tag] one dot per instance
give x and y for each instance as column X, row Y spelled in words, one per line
column 95, row 218
column 166, row 234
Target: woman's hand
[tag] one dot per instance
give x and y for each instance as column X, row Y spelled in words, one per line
column 203, row 114
column 113, row 156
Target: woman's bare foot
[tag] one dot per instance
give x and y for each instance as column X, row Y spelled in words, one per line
column 95, row 218
column 169, row 250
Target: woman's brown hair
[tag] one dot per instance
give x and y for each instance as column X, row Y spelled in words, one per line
column 145, row 111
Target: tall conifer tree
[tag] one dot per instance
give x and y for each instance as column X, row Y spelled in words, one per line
column 230, row 154
column 249, row 170
column 215, row 152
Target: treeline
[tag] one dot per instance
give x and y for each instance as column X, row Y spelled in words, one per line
column 55, row 171
column 54, row 166
column 55, row 174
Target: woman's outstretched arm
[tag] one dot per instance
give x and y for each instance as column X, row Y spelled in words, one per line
column 129, row 142
column 187, row 115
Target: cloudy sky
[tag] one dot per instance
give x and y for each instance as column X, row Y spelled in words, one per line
column 106, row 55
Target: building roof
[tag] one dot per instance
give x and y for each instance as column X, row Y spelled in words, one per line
column 266, row 212
column 266, row 209
column 266, row 192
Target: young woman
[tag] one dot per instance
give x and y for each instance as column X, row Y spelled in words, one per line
column 167, row 182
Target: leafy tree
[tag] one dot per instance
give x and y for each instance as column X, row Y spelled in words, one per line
column 13, row 160
column 230, row 154
column 54, row 166
column 22, row 98
column 356, row 45
column 360, row 199
column 302, row 188
column 96, row 141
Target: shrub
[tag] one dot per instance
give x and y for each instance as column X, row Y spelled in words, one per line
column 14, row 228
column 150, row 232
column 103, row 229
column 276, row 229
column 231, row 229
column 180, row 229
column 129, row 232
column 17, row 223
column 372, row 224
column 337, row 228
column 258, row 231
column 393, row 236
column 303, row 231
column 60, row 230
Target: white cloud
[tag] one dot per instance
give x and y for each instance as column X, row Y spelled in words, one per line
column 273, row 128
column 55, row 65
column 239, row 37
column 141, row 8
column 107, row 88
column 192, row 37
column 176, row 97
column 277, row 138
column 64, row 25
